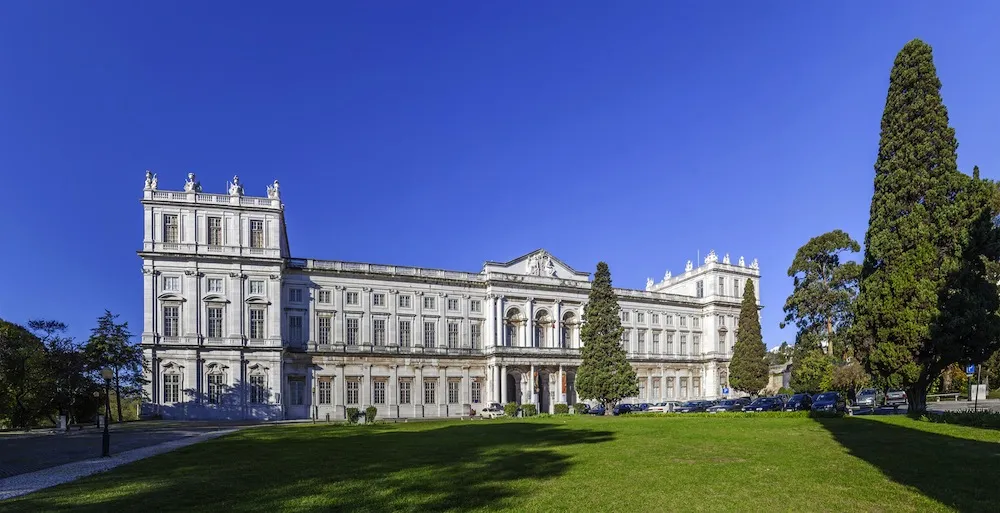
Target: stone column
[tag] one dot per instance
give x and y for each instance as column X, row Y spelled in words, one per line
column 531, row 385
column 418, row 391
column 366, row 386
column 339, row 392
column 503, row 384
column 442, row 392
column 366, row 319
column 561, row 395
column 311, row 384
column 465, row 388
column 392, row 328
column 663, row 384
column 649, row 385
column 338, row 317
column 529, row 307
column 392, row 391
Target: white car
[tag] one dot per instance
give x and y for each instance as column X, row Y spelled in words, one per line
column 492, row 411
column 665, row 407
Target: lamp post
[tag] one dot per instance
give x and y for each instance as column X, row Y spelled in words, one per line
column 107, row 374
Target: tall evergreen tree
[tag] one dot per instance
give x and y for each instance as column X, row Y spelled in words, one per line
column 748, row 368
column 110, row 345
column 917, row 248
column 605, row 374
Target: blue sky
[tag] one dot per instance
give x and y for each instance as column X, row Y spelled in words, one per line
column 444, row 134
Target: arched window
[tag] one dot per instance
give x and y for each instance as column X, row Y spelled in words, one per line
column 542, row 323
column 513, row 321
column 569, row 326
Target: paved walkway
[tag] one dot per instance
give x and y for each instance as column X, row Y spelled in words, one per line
column 29, row 482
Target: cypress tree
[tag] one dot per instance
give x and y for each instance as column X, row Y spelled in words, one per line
column 604, row 375
column 748, row 369
column 917, row 248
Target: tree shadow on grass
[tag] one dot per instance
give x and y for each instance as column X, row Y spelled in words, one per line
column 957, row 472
column 334, row 468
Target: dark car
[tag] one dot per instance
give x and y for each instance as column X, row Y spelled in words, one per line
column 799, row 402
column 596, row 410
column 728, row 405
column 831, row 402
column 621, row 409
column 765, row 404
column 640, row 407
column 693, row 407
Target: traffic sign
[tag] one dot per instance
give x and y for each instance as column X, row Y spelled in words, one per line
column 971, row 369
column 725, row 390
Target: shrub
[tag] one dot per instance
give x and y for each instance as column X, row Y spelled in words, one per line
column 510, row 409
column 353, row 414
column 979, row 419
column 530, row 410
column 735, row 414
column 561, row 409
column 825, row 414
column 580, row 408
column 370, row 413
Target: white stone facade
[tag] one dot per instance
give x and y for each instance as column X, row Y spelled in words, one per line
column 234, row 327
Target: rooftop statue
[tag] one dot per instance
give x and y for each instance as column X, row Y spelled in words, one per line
column 273, row 192
column 743, row 263
column 192, row 185
column 150, row 181
column 688, row 267
column 725, row 259
column 649, row 284
column 235, row 189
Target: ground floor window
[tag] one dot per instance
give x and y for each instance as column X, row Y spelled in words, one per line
column 696, row 387
column 684, row 388
column 215, row 388
column 642, row 389
column 656, row 388
column 453, row 392
column 325, row 390
column 258, row 389
column 378, row 392
column 296, row 391
column 171, row 388
column 404, row 392
column 477, row 392
column 430, row 387
column 353, row 391
column 670, row 388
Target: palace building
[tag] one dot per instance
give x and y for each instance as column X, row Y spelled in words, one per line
column 235, row 327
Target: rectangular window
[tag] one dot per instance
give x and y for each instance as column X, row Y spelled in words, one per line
column 642, row 390
column 296, row 391
column 722, row 285
column 295, row 295
column 171, row 388
column 171, row 318
column 171, row 229
column 378, row 299
column 626, row 316
column 256, row 233
column 452, row 305
column 656, row 343
column 323, row 330
column 683, row 321
column 477, row 392
column 430, row 387
column 640, row 317
column 325, row 297
column 378, row 332
column 256, row 323
column 257, row 287
column 476, row 306
column 352, row 332
column 684, row 388
column 684, row 344
column 477, row 335
column 171, row 283
column 325, row 391
column 626, row 335
column 736, row 288
column 699, row 289
column 428, row 303
column 696, row 387
column 452, row 334
column 722, row 343
column 258, row 391
column 214, row 322
column 295, row 329
column 655, row 319
column 378, row 392
column 642, row 341
column 656, row 388
column 722, row 320
column 429, row 335
column 353, row 391
column 214, row 231
column 670, row 320
column 696, row 344
column 453, row 392
column 215, row 388
column 695, row 322
column 215, row 285
column 404, row 301
column 670, row 388
column 404, row 391
column 405, row 335
column 670, row 343
column 353, row 299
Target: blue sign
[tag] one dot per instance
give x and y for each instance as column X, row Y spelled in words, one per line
column 970, row 369
column 725, row 390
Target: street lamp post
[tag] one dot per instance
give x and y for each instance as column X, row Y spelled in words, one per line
column 106, row 373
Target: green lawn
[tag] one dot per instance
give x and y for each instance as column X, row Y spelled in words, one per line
column 561, row 463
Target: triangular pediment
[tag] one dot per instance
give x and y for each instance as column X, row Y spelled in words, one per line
column 537, row 263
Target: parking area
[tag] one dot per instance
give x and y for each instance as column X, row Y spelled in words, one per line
column 22, row 453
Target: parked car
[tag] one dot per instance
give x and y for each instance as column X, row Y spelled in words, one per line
column 492, row 411
column 584, row 409
column 622, row 409
column 895, row 397
column 799, row 402
column 639, row 408
column 664, row 407
column 693, row 407
column 596, row 410
column 728, row 405
column 765, row 404
column 784, row 397
column 872, row 397
column 830, row 402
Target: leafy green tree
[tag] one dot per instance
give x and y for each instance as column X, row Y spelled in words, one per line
column 748, row 369
column 824, row 288
column 780, row 356
column 812, row 371
column 110, row 345
column 71, row 385
column 604, row 374
column 850, row 378
column 24, row 378
column 928, row 222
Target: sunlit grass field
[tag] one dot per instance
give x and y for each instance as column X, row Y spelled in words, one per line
column 561, row 463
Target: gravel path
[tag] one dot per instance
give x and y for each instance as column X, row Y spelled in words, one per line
column 26, row 483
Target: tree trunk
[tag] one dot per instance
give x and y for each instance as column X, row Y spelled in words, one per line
column 608, row 406
column 118, row 396
column 916, row 400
